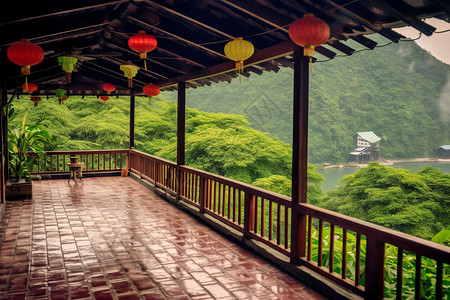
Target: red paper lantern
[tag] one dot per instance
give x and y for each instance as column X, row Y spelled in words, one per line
column 108, row 87
column 309, row 32
column 31, row 87
column 142, row 43
column 151, row 90
column 25, row 54
column 104, row 98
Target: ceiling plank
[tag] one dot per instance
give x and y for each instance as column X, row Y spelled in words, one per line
column 412, row 21
column 178, row 38
column 260, row 56
column 63, row 12
column 187, row 18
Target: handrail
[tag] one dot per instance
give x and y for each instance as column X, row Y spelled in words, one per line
column 393, row 237
column 54, row 162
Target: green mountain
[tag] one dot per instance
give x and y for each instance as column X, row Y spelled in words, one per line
column 393, row 91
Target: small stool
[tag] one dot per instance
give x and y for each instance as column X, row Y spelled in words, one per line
column 76, row 171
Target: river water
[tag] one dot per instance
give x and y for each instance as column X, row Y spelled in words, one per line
column 332, row 175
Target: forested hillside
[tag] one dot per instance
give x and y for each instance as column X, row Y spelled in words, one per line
column 393, row 91
column 223, row 144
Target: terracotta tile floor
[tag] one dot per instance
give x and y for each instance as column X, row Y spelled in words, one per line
column 111, row 238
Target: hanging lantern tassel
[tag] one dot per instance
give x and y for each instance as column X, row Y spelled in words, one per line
column 309, row 32
column 239, row 50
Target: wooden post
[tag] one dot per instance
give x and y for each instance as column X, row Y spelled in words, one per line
column 181, row 123
column 132, row 113
column 181, row 132
column 299, row 153
column 201, row 199
column 374, row 273
column 3, row 145
column 249, row 213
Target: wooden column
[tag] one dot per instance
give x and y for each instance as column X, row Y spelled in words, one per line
column 132, row 114
column 3, row 145
column 299, row 153
column 374, row 274
column 181, row 134
column 181, row 123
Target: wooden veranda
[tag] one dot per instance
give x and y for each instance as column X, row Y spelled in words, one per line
column 191, row 36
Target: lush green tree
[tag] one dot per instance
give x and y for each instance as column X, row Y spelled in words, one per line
column 415, row 203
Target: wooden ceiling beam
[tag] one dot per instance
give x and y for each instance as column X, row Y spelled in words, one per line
column 413, row 22
column 260, row 56
column 63, row 12
column 187, row 18
column 261, row 13
column 120, row 48
column 387, row 33
column 179, row 38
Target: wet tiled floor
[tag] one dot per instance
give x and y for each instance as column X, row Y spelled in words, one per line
column 112, row 238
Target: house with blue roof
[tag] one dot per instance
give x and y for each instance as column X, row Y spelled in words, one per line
column 367, row 147
column 443, row 152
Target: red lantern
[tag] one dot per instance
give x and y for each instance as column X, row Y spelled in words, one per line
column 142, row 43
column 29, row 87
column 104, row 98
column 309, row 32
column 151, row 90
column 25, row 54
column 108, row 87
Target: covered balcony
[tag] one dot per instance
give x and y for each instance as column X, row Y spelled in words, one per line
column 141, row 227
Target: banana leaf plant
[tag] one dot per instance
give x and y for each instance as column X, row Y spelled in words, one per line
column 24, row 145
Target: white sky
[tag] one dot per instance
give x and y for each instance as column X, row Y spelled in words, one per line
column 437, row 44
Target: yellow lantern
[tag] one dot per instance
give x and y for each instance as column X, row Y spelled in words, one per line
column 129, row 70
column 239, row 50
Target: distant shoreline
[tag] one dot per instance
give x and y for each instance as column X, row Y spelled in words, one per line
column 389, row 162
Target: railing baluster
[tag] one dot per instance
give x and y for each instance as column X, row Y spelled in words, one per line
column 262, row 217
column 240, row 207
column 222, row 199
column 344, row 253
column 278, row 224
column 358, row 260
column 439, row 280
column 331, row 267
column 320, row 244
column 286, row 227
column 270, row 220
column 309, row 254
column 399, row 282
column 229, row 201
column 418, row 278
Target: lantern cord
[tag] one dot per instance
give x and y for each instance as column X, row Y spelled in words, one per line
column 310, row 64
column 26, row 83
column 145, row 65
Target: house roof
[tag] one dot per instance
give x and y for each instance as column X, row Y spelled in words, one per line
column 191, row 36
column 369, row 136
column 445, row 147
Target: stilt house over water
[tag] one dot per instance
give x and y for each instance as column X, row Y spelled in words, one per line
column 443, row 152
column 367, row 147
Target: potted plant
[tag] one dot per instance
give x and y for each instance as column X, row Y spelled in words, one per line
column 24, row 145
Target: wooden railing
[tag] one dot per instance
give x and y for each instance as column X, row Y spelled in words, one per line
column 346, row 250
column 54, row 162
